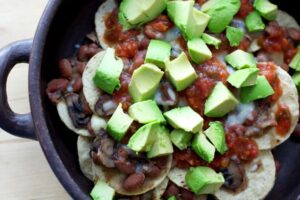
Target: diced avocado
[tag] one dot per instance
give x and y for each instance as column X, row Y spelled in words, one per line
column 234, row 36
column 198, row 50
column 152, row 8
column 295, row 63
column 102, row 191
column 260, row 90
column 181, row 139
column 203, row 180
column 296, row 79
column 221, row 13
column 254, row 22
column 197, row 24
column 266, row 9
column 203, row 148
column 240, row 59
column 172, row 198
column 180, row 72
column 210, row 40
column 158, row 51
column 220, row 102
column 216, row 136
column 243, row 77
column 162, row 145
column 144, row 82
column 146, row 112
column 143, row 139
column 119, row 123
column 184, row 118
column 108, row 73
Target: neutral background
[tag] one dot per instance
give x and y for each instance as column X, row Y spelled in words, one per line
column 24, row 171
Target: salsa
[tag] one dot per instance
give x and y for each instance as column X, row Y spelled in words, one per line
column 246, row 9
column 283, row 118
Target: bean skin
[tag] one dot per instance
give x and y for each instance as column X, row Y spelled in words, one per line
column 134, row 181
column 65, row 68
column 125, row 166
column 77, row 86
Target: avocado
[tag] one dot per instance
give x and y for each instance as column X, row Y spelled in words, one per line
column 146, row 112
column 181, row 139
column 234, row 36
column 216, row 136
column 260, row 90
column 152, row 8
column 266, row 9
column 203, row 148
column 197, row 24
column 254, row 22
column 162, row 145
column 221, row 13
column 180, row 72
column 102, row 191
column 198, row 50
column 184, row 118
column 240, row 59
column 172, row 198
column 203, row 180
column 210, row 40
column 220, row 102
column 118, row 124
column 143, row 139
column 296, row 79
column 108, row 72
column 158, row 51
column 295, row 63
column 243, row 77
column 144, row 82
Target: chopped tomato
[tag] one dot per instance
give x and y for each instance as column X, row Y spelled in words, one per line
column 246, row 8
column 283, row 118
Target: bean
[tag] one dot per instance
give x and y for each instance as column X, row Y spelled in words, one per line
column 65, row 68
column 122, row 153
column 172, row 190
column 77, row 86
column 55, row 88
column 151, row 170
column 125, row 166
column 186, row 195
column 134, row 181
column 80, row 67
column 82, row 53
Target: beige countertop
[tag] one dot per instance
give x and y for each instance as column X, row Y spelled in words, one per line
column 24, row 171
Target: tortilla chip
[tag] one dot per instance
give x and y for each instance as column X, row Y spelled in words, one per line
column 85, row 161
column 286, row 20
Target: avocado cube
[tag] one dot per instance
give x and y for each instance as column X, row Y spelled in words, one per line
column 143, row 139
column 198, row 50
column 158, row 51
column 220, row 102
column 196, row 25
column 162, row 145
column 204, row 180
column 146, row 112
column 102, row 191
column 144, row 82
column 296, row 79
column 181, row 139
column 118, row 124
column 152, row 8
column 260, row 90
column 203, row 148
column 234, row 36
column 180, row 72
column 107, row 74
column 132, row 12
column 243, row 77
column 240, row 59
column 254, row 22
column 266, row 9
column 295, row 63
column 184, row 118
column 172, row 198
column 216, row 136
column 210, row 40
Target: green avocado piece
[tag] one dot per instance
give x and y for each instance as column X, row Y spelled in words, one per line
column 102, row 191
column 210, row 40
column 296, row 79
column 180, row 72
column 234, row 36
column 118, row 124
column 198, row 50
column 220, row 102
column 181, row 139
column 216, row 136
column 243, row 77
column 203, row 148
column 152, row 8
column 204, row 180
column 221, row 13
column 144, row 82
column 143, row 139
column 254, row 22
column 158, row 51
column 260, row 90
column 108, row 72
column 162, row 145
column 146, row 112
column 295, row 63
column 266, row 9
column 184, row 118
column 197, row 24
column 172, row 198
column 240, row 59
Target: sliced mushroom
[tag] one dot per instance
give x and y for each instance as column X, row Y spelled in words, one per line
column 234, row 176
column 105, row 106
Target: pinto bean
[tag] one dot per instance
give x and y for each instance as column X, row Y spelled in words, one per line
column 77, row 85
column 186, row 194
column 151, row 170
column 125, row 166
column 134, row 181
column 87, row 51
column 65, row 68
column 172, row 190
column 55, row 88
column 80, row 66
column 144, row 43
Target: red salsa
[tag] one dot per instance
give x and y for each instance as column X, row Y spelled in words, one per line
column 246, row 9
column 283, row 119
column 122, row 95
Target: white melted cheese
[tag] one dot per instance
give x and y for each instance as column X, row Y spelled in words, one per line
column 240, row 114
